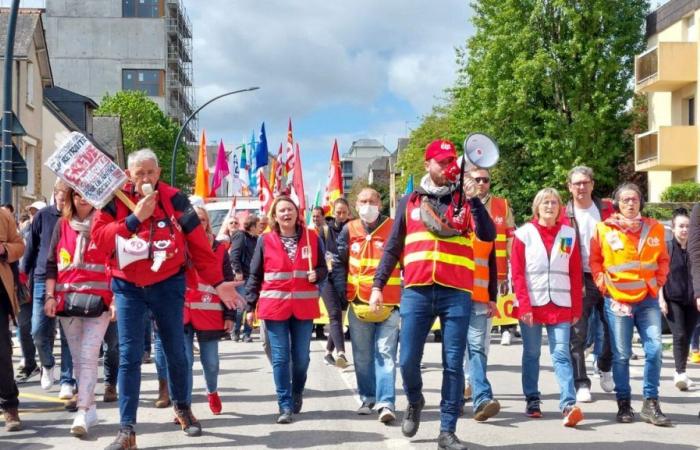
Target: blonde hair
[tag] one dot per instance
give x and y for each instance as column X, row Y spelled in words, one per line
column 539, row 198
column 206, row 214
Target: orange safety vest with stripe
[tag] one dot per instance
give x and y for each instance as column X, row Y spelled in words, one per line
column 498, row 209
column 630, row 272
column 203, row 307
column 482, row 252
column 286, row 290
column 88, row 277
column 431, row 259
column 365, row 251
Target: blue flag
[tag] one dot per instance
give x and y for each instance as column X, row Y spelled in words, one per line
column 409, row 185
column 261, row 149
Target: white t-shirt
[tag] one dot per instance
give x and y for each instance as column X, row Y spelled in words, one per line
column 587, row 219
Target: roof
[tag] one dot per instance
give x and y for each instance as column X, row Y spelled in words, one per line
column 29, row 28
column 60, row 95
column 107, row 132
column 367, row 143
column 61, row 116
column 668, row 14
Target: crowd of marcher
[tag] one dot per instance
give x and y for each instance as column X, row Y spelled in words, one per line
column 588, row 272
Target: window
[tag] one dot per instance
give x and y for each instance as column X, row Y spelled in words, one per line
column 691, row 111
column 148, row 81
column 29, row 151
column 347, row 167
column 142, row 8
column 30, row 83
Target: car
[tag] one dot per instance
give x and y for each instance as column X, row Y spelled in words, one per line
column 219, row 208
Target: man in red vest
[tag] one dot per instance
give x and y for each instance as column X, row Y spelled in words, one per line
column 431, row 236
column 151, row 245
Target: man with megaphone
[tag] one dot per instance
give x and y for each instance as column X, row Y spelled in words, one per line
column 152, row 245
column 431, row 236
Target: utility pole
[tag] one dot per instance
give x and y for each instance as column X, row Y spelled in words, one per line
column 6, row 160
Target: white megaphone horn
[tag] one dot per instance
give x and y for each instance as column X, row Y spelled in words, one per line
column 481, row 150
column 130, row 250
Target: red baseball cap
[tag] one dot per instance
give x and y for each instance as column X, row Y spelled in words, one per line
column 440, row 150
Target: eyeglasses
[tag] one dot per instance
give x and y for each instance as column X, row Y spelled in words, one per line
column 629, row 200
column 581, row 184
column 482, row 180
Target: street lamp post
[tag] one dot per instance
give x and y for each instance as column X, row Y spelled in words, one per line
column 184, row 125
column 6, row 171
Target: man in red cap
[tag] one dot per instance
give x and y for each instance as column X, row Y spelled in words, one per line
column 431, row 236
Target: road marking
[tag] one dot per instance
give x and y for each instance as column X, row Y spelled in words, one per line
column 41, row 410
column 44, row 398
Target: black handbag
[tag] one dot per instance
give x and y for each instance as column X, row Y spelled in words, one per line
column 79, row 304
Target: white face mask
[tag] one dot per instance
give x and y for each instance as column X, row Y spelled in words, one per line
column 369, row 213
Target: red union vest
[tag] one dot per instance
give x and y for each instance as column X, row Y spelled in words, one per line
column 498, row 209
column 88, row 277
column 285, row 290
column 430, row 259
column 364, row 252
column 203, row 307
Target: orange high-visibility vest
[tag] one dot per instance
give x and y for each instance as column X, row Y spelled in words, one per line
column 430, row 259
column 364, row 252
column 482, row 252
column 630, row 272
column 498, row 209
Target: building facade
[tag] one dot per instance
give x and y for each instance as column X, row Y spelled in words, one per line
column 357, row 161
column 100, row 47
column 667, row 72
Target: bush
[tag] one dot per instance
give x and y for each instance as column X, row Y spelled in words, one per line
column 658, row 212
column 688, row 191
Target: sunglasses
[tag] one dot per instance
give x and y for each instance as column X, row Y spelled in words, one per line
column 482, row 180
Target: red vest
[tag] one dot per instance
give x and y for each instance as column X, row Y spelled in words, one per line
column 499, row 212
column 286, row 291
column 88, row 277
column 163, row 233
column 430, row 259
column 203, row 308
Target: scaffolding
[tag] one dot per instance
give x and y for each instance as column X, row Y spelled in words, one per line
column 179, row 90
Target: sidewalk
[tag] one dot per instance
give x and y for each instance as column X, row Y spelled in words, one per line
column 328, row 418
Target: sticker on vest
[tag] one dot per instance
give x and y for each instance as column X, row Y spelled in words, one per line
column 63, row 259
column 161, row 224
column 379, row 245
column 613, row 238
column 355, row 247
column 159, row 257
column 368, row 238
column 206, row 298
column 653, row 241
column 415, row 214
column 566, row 245
column 498, row 220
column 305, row 251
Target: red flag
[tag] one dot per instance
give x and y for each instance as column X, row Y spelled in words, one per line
column 298, row 184
column 289, row 163
column 281, row 172
column 334, row 186
column 264, row 193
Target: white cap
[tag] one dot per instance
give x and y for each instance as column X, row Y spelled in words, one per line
column 37, row 205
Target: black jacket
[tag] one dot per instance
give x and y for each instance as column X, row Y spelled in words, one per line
column 39, row 242
column 241, row 252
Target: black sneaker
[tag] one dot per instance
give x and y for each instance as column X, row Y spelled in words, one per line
column 411, row 419
column 447, row 440
column 125, row 440
column 532, row 408
column 625, row 413
column 298, row 400
column 365, row 409
column 341, row 361
column 329, row 360
column 651, row 413
column 285, row 417
column 23, row 375
column 188, row 422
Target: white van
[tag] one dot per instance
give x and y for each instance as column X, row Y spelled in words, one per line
column 218, row 208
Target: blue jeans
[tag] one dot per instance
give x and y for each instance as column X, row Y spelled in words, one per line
column 240, row 317
column 290, row 342
column 159, row 355
column 374, row 349
column 476, row 356
column 111, row 354
column 558, row 337
column 208, row 356
column 166, row 301
column 419, row 307
column 646, row 317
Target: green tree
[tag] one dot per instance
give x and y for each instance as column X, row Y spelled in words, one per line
column 550, row 81
column 145, row 125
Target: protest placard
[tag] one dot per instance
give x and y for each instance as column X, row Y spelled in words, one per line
column 88, row 170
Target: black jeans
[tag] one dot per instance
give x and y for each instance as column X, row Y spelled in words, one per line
column 26, row 342
column 681, row 318
column 111, row 355
column 334, row 305
column 8, row 388
column 579, row 332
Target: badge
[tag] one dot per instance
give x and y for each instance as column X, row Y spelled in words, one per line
column 415, row 214
column 206, row 298
column 158, row 258
column 162, row 245
column 355, row 247
column 653, row 241
column 368, row 238
column 613, row 239
column 161, row 224
column 379, row 245
column 305, row 251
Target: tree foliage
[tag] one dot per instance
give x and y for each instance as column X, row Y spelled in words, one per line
column 144, row 125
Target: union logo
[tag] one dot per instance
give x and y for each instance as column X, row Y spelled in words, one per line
column 206, row 298
column 445, row 146
column 498, row 220
column 653, row 241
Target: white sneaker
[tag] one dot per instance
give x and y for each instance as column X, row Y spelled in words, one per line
column 681, row 381
column 583, row 395
column 606, row 381
column 48, row 378
column 506, row 338
column 80, row 425
column 66, row 391
column 91, row 416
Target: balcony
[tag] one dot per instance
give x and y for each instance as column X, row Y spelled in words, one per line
column 669, row 148
column 666, row 67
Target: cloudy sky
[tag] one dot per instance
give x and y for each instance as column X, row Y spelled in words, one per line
column 345, row 70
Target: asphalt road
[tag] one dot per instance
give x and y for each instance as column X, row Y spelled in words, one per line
column 328, row 418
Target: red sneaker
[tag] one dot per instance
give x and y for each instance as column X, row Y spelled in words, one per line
column 214, row 403
column 572, row 416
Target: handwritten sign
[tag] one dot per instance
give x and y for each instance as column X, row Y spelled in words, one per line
column 87, row 170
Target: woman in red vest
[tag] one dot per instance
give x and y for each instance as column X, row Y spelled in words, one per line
column 287, row 266
column 207, row 317
column 77, row 290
